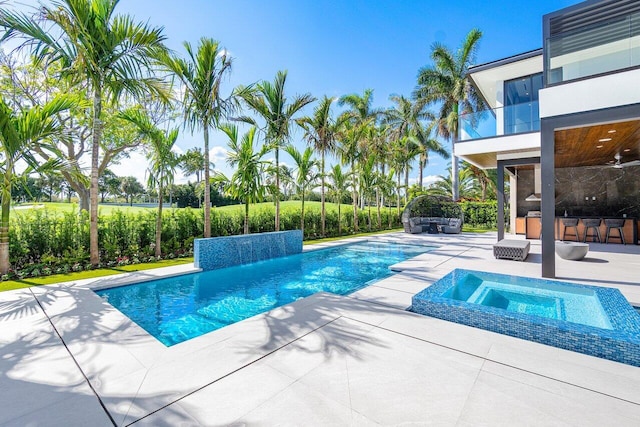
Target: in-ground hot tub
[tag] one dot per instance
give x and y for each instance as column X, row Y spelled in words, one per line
column 587, row 319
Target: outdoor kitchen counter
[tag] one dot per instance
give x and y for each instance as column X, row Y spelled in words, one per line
column 630, row 229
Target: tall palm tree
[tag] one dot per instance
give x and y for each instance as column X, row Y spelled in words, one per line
column 426, row 145
column 110, row 54
column 483, row 177
column 338, row 182
column 469, row 188
column 306, row 172
column 349, row 152
column 20, row 131
column 320, row 132
column 192, row 163
column 162, row 160
column 246, row 182
column 360, row 107
column 368, row 183
column 447, row 83
column 268, row 101
column 201, row 75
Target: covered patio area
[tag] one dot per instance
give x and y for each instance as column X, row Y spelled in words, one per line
column 589, row 175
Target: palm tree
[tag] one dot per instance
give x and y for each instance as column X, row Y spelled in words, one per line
column 447, row 83
column 306, row 173
column 246, row 182
column 387, row 187
column 443, row 185
column 338, row 189
column 320, row 132
column 368, row 183
column 268, row 101
column 201, row 76
column 162, row 160
column 109, row 53
column 192, row 163
column 20, row 132
column 483, row 177
column 360, row 107
column 349, row 152
column 426, row 144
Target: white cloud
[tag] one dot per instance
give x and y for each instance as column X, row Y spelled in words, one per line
column 429, row 179
column 135, row 165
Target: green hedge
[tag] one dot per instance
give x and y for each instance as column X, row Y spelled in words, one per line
column 481, row 214
column 43, row 240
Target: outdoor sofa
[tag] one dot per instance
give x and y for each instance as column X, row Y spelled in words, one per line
column 418, row 225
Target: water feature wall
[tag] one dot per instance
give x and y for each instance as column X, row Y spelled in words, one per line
column 220, row 252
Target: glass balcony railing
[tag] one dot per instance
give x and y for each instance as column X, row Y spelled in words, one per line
column 600, row 48
column 509, row 120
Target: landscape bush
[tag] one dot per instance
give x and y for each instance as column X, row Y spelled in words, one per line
column 43, row 242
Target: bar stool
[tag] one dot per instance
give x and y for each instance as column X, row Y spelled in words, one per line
column 570, row 223
column 614, row 224
column 592, row 223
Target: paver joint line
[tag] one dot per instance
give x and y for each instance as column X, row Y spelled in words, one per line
column 234, row 371
column 73, row 358
column 496, row 361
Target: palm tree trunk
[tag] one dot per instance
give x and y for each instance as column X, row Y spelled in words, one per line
column 339, row 219
column 159, row 223
column 369, row 216
column 246, row 217
column 355, row 197
column 378, row 203
column 398, row 191
column 421, row 173
column 302, row 215
column 277, row 194
column 406, row 184
column 4, row 222
column 93, row 189
column 322, row 213
column 207, row 184
column 455, row 186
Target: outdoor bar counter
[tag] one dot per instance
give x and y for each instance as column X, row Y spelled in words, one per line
column 629, row 230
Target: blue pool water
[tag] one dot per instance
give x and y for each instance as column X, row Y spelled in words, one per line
column 183, row 307
column 552, row 300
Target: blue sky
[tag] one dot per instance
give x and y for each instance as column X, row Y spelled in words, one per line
column 338, row 47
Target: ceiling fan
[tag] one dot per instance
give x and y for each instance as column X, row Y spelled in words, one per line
column 619, row 165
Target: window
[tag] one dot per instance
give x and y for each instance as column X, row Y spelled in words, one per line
column 521, row 111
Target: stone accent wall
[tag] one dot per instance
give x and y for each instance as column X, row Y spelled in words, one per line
column 221, row 252
column 616, row 191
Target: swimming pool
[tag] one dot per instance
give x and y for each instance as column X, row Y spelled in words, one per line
column 588, row 319
column 179, row 308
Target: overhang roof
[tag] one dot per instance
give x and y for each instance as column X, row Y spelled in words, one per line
column 486, row 76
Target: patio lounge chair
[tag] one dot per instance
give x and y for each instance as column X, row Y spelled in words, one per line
column 454, row 226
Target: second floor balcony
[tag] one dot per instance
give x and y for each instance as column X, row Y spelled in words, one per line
column 509, row 120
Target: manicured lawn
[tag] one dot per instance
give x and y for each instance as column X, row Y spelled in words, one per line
column 56, row 278
column 107, row 209
column 331, row 239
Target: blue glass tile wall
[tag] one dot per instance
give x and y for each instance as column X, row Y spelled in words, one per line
column 220, row 252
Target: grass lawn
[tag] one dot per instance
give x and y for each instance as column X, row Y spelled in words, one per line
column 107, row 209
column 56, row 278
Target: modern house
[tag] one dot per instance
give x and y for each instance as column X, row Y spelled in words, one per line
column 564, row 128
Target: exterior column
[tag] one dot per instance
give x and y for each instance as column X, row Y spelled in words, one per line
column 548, row 204
column 513, row 202
column 500, row 200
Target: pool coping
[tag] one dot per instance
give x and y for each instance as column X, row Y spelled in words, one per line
column 620, row 344
column 135, row 375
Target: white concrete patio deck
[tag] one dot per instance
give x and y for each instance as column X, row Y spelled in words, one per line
column 68, row 358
